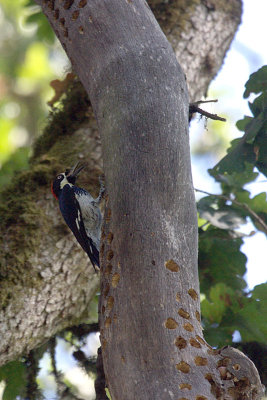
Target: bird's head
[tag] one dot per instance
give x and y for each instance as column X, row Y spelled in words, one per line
column 67, row 177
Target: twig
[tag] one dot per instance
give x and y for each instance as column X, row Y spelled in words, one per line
column 193, row 107
column 83, row 329
column 32, row 365
column 63, row 391
column 242, row 205
column 100, row 382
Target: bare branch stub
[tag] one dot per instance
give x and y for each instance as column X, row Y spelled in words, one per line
column 193, row 108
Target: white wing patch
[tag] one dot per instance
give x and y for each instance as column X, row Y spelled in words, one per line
column 78, row 220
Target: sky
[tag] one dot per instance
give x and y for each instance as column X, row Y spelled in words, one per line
column 247, row 54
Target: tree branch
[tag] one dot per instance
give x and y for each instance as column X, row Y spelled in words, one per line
column 193, row 108
column 242, row 205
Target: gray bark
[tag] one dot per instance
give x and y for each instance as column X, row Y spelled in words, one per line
column 47, row 273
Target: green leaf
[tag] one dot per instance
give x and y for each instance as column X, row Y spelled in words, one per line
column 44, row 30
column 218, row 336
column 220, row 259
column 253, row 326
column 257, row 203
column 236, row 160
column 253, row 128
column 260, row 149
column 13, row 374
column 259, row 104
column 213, row 310
column 224, row 217
column 242, row 123
column 235, row 180
column 257, row 82
column 260, row 293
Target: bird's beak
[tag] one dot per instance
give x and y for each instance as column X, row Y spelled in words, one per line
column 74, row 171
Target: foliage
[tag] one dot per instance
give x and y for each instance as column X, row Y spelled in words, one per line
column 13, row 374
column 28, row 54
column 228, row 307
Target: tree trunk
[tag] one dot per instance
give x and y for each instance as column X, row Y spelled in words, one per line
column 149, row 312
column 45, row 285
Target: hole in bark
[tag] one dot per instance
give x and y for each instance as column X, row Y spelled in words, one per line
column 82, row 3
column 201, row 398
column 236, row 367
column 110, row 255
column 108, row 215
column 188, row 327
column 199, row 338
column 183, row 313
column 172, row 266
column 178, row 297
column 185, row 386
column 107, row 322
column 103, row 344
column 224, row 362
column 115, row 280
column 56, row 14
column 209, row 378
column 68, row 4
column 51, row 4
column 241, row 386
column 110, row 303
column 170, row 323
column 193, row 294
column 223, row 371
column 62, row 21
column 200, row 361
column 198, row 316
column 183, row 367
column 153, row 262
column 81, row 30
column 75, row 15
column 106, row 290
column 103, row 309
column 180, row 342
column 109, row 237
column 108, row 269
column 215, row 388
column 195, row 343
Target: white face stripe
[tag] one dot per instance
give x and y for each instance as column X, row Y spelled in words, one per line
column 64, row 182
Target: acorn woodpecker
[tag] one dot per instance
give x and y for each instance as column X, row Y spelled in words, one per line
column 80, row 211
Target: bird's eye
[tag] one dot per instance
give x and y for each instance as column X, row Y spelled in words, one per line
column 59, row 176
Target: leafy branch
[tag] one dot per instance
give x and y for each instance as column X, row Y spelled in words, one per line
column 237, row 203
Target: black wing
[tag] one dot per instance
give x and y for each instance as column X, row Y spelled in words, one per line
column 71, row 211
